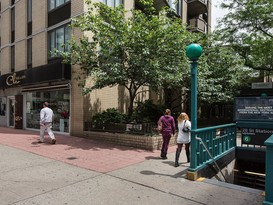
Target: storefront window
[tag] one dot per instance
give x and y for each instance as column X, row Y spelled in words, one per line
column 59, row 102
column 3, row 106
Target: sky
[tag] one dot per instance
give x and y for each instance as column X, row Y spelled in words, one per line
column 216, row 13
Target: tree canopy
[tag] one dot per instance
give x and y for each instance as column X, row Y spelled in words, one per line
column 247, row 28
column 130, row 48
column 147, row 48
column 224, row 76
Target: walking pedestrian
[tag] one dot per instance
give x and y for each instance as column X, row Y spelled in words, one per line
column 46, row 118
column 167, row 124
column 184, row 136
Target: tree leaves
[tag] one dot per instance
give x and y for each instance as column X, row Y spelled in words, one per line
column 248, row 28
column 145, row 49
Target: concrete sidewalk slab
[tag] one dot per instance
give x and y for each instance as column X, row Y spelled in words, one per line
column 172, row 181
column 24, row 175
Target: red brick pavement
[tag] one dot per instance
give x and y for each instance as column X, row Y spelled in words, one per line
column 93, row 155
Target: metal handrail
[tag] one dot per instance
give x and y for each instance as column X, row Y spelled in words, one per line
column 199, row 139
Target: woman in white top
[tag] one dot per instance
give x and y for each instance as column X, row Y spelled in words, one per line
column 184, row 136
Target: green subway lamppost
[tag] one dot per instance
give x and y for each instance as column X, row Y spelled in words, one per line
column 193, row 52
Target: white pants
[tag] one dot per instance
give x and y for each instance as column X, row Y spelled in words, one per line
column 46, row 127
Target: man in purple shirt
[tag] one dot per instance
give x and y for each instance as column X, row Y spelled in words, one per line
column 167, row 123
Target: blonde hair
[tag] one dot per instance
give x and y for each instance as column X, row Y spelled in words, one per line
column 182, row 116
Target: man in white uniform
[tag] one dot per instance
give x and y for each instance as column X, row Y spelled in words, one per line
column 46, row 118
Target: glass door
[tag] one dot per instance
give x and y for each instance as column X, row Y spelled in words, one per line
column 11, row 111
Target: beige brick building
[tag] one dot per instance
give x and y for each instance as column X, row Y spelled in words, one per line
column 29, row 30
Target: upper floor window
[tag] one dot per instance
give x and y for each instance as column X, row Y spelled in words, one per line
column 29, row 17
column 176, row 6
column 112, row 3
column 12, row 23
column 52, row 4
column 12, row 59
column 58, row 38
column 12, row 2
column 29, row 11
column 29, row 53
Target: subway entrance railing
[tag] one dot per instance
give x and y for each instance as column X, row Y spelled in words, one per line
column 216, row 142
column 219, row 142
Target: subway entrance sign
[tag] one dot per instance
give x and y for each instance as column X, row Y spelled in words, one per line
column 255, row 136
column 253, row 108
column 254, row 115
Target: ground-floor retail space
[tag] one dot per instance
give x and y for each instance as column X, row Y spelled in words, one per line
column 7, row 113
column 22, row 94
column 22, row 111
column 59, row 102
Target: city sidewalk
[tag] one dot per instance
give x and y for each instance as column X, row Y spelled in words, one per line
column 82, row 171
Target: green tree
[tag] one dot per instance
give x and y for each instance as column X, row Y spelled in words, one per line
column 221, row 74
column 224, row 74
column 129, row 48
column 247, row 28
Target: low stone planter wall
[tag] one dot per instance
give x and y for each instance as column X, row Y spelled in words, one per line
column 138, row 141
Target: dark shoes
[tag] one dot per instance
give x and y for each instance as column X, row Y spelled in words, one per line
column 176, row 164
column 52, row 141
column 164, row 156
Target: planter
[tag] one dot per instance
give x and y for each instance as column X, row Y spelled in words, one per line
column 137, row 141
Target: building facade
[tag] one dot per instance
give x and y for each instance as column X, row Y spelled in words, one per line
column 29, row 75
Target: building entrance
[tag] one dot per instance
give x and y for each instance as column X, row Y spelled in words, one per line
column 11, row 111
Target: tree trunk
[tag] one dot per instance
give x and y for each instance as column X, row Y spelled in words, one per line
column 131, row 103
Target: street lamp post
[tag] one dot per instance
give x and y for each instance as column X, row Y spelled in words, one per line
column 193, row 52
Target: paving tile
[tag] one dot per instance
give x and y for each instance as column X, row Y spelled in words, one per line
column 86, row 153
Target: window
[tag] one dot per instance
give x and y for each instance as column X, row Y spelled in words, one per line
column 112, row 3
column 29, row 53
column 52, row 4
column 29, row 17
column 59, row 101
column 58, row 12
column 176, row 6
column 29, row 11
column 12, row 59
column 12, row 23
column 3, row 102
column 12, row 2
column 58, row 38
